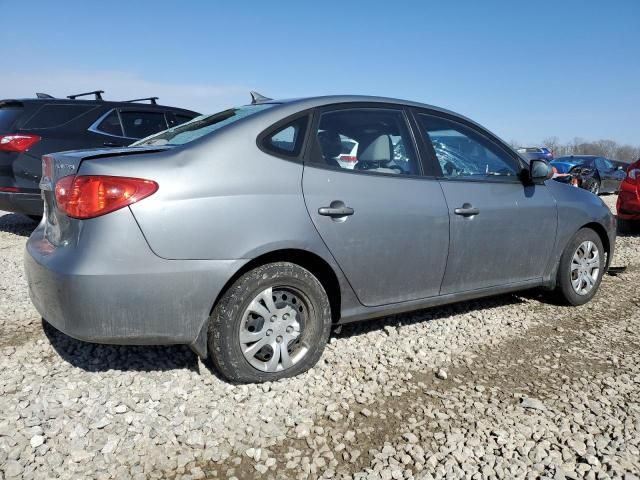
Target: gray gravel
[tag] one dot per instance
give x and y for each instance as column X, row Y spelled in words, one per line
column 508, row 387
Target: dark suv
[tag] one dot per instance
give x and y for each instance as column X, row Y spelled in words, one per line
column 30, row 128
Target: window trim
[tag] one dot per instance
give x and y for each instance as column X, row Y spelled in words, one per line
column 430, row 152
column 94, row 126
column 317, row 114
column 298, row 156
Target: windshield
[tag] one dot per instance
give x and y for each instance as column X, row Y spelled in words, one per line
column 200, row 126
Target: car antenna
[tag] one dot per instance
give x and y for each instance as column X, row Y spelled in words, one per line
column 257, row 98
column 153, row 100
column 97, row 93
column 43, row 95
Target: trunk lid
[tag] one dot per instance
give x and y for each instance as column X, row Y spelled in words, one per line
column 59, row 228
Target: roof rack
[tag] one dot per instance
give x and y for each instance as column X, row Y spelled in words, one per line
column 97, row 93
column 43, row 95
column 153, row 100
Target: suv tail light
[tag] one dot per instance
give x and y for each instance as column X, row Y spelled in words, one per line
column 89, row 196
column 17, row 143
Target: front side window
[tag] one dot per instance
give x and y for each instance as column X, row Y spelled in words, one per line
column 142, row 124
column 372, row 140
column 463, row 152
column 201, row 126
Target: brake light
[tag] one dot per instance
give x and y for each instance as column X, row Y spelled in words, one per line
column 89, row 196
column 349, row 158
column 9, row 189
column 17, row 143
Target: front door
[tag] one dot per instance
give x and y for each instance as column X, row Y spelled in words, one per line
column 386, row 226
column 502, row 232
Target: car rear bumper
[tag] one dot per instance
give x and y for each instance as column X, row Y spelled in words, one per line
column 144, row 301
column 628, row 205
column 25, row 203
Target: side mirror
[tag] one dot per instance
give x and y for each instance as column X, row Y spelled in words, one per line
column 539, row 171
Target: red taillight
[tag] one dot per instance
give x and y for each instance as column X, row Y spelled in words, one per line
column 9, row 189
column 349, row 158
column 17, row 143
column 89, row 196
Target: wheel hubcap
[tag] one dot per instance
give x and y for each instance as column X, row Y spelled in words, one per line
column 271, row 330
column 585, row 267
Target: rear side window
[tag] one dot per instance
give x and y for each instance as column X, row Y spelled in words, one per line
column 111, row 125
column 379, row 139
column 8, row 116
column 49, row 116
column 142, row 124
column 287, row 140
column 180, row 119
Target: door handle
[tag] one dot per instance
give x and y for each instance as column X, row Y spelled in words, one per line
column 467, row 210
column 335, row 211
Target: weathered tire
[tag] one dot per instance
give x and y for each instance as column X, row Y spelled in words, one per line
column 566, row 279
column 230, row 318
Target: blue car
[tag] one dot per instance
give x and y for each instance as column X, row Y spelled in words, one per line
column 593, row 173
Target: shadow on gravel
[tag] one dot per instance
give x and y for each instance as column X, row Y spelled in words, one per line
column 17, row 224
column 428, row 314
column 94, row 357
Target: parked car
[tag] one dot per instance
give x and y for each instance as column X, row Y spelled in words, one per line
column 32, row 127
column 251, row 250
column 628, row 206
column 537, row 153
column 596, row 174
column 349, row 153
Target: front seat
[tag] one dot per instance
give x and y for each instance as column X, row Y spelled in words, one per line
column 377, row 156
column 331, row 146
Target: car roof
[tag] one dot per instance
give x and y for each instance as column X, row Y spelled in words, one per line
column 304, row 103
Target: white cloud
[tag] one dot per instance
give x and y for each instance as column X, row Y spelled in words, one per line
column 204, row 98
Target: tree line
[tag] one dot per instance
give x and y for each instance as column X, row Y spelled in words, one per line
column 602, row 148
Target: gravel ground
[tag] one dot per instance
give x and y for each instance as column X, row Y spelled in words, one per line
column 508, row 387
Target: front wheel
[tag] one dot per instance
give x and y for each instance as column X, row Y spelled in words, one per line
column 581, row 267
column 595, row 187
column 273, row 322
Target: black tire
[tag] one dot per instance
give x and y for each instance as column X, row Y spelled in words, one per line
column 564, row 287
column 628, row 226
column 35, row 218
column 227, row 320
column 595, row 187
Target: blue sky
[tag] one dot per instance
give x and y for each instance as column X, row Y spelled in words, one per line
column 524, row 69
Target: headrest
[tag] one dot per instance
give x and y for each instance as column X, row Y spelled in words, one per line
column 380, row 150
column 330, row 143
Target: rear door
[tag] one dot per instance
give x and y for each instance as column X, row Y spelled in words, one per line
column 502, row 232
column 385, row 224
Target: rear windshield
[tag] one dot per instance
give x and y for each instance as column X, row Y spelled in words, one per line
column 8, row 115
column 200, row 126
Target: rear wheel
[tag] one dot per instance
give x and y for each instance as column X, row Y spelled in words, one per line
column 273, row 322
column 595, row 187
column 581, row 267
